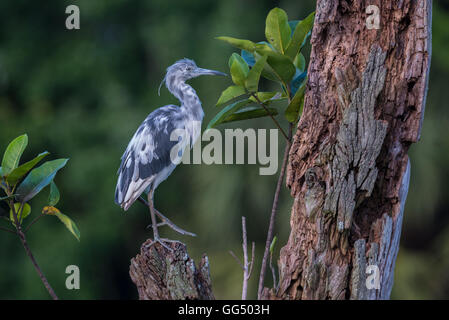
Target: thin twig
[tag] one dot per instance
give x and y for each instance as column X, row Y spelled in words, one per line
column 33, row 222
column 247, row 267
column 273, row 273
column 273, row 214
column 30, row 255
column 8, row 230
column 253, row 249
column 245, row 260
column 36, row 266
column 271, row 116
column 236, row 259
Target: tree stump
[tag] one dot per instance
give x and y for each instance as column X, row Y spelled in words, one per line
column 161, row 274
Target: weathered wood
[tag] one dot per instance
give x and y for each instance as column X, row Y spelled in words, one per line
column 348, row 167
column 160, row 274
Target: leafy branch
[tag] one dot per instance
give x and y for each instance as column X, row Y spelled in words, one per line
column 271, row 116
column 20, row 184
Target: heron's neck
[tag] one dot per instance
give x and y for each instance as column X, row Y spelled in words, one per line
column 188, row 98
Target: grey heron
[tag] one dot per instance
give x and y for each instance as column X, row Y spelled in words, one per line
column 147, row 161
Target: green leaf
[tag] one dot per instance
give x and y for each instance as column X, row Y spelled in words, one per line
column 277, row 29
column 248, row 57
column 270, row 74
column 267, row 97
column 20, row 215
column 300, row 62
column 13, row 153
column 239, row 69
column 53, row 198
column 252, row 81
column 273, row 243
column 69, row 224
column 299, row 35
column 250, row 113
column 230, row 93
column 225, row 112
column 294, row 109
column 278, row 66
column 38, row 179
column 293, row 24
column 264, row 47
column 239, row 43
column 23, row 169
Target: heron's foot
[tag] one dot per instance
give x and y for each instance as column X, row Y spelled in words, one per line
column 163, row 242
column 160, row 224
column 166, row 221
column 169, row 223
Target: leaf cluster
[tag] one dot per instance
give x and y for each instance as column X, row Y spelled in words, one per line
column 20, row 183
column 279, row 59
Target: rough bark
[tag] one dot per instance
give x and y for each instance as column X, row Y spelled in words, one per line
column 348, row 166
column 160, row 274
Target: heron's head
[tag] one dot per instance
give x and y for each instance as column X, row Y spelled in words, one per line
column 185, row 69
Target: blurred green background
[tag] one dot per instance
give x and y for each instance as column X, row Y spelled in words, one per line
column 81, row 94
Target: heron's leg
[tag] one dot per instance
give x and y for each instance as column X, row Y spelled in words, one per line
column 154, row 222
column 153, row 216
column 168, row 222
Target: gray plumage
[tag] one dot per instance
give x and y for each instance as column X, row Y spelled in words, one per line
column 146, row 161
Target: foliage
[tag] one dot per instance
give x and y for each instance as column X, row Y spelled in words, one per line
column 279, row 60
column 22, row 183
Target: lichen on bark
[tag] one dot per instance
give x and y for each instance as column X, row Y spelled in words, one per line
column 352, row 164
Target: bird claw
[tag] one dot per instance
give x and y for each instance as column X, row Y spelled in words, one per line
column 157, row 225
column 169, row 223
column 162, row 241
column 166, row 221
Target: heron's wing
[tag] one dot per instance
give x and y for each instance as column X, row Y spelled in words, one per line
column 147, row 154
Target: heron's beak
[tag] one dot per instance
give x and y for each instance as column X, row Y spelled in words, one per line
column 205, row 72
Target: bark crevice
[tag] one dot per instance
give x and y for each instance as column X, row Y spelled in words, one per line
column 352, row 160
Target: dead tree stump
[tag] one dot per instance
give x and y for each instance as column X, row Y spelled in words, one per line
column 160, row 274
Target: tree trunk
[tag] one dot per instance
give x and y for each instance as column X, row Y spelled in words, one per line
column 348, row 166
column 160, row 274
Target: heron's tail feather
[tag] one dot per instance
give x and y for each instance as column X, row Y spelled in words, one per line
column 126, row 197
